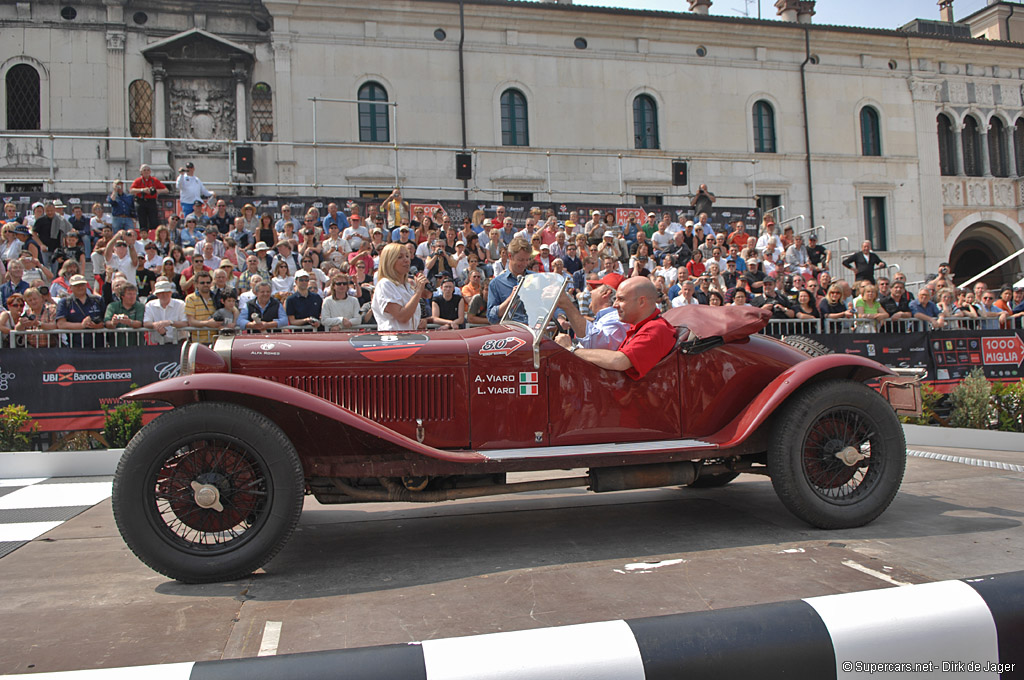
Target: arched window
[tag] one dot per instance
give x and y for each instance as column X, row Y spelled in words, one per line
column 997, row 159
column 1018, row 145
column 972, row 147
column 515, row 130
column 645, row 123
column 870, row 132
column 22, row 98
column 947, row 145
column 764, row 127
column 140, row 109
column 261, row 113
column 373, row 118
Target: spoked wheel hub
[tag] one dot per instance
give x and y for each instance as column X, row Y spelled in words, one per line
column 837, row 455
column 209, row 494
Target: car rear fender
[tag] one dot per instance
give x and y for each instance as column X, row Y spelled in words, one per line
column 313, row 424
column 776, row 393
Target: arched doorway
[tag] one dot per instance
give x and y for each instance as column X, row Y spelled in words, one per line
column 979, row 247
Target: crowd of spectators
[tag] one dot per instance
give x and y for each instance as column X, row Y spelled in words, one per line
column 207, row 269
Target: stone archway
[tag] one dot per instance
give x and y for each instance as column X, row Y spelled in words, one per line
column 979, row 246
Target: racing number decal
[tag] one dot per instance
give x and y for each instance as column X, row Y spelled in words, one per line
column 501, row 347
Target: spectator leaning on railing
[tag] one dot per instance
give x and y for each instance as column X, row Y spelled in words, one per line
column 80, row 311
column 340, row 310
column 125, row 312
column 164, row 315
column 304, row 305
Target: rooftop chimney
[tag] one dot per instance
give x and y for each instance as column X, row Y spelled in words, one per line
column 946, row 11
column 795, row 10
column 700, row 6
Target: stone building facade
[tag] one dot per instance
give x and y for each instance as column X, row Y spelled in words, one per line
column 913, row 138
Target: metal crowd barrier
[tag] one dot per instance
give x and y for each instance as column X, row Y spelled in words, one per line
column 780, row 327
column 897, row 326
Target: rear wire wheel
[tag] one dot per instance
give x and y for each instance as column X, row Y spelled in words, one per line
column 208, row 492
column 837, row 454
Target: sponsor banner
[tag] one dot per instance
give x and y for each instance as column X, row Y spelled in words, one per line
column 719, row 216
column 65, row 389
column 907, row 350
column 999, row 353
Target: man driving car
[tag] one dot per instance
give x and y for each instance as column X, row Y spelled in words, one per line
column 649, row 339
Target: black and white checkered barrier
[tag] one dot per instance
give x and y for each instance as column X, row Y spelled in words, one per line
column 972, row 628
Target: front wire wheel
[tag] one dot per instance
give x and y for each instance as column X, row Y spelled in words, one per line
column 208, row 492
column 209, row 496
column 837, row 455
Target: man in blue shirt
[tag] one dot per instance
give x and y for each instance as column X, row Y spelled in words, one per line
column 499, row 292
column 335, row 217
column 606, row 331
column 924, row 309
column 303, row 306
column 122, row 207
column 81, row 311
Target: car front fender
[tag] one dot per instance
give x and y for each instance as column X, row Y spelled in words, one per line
column 317, row 427
column 813, row 370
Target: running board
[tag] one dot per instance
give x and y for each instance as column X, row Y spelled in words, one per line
column 628, row 448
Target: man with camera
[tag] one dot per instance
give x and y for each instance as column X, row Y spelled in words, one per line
column 191, row 189
column 439, row 261
column 703, row 200
column 943, row 280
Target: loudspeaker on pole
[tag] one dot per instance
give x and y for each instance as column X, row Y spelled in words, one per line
column 679, row 169
column 463, row 166
column 244, row 164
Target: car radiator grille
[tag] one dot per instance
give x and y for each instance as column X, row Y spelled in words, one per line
column 386, row 397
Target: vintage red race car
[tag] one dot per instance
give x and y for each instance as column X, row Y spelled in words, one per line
column 212, row 489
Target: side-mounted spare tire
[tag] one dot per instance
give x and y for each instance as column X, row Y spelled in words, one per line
column 208, row 492
column 837, row 454
column 805, row 344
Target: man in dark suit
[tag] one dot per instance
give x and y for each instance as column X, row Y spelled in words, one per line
column 864, row 263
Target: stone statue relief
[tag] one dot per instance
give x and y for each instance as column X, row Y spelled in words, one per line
column 201, row 109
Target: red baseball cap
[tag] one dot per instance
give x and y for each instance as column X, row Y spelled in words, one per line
column 611, row 279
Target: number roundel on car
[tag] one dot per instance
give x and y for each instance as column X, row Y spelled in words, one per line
column 501, row 346
column 388, row 346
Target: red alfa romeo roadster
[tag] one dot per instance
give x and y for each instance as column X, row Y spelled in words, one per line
column 212, row 489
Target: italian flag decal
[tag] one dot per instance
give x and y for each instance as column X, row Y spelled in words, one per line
column 528, row 384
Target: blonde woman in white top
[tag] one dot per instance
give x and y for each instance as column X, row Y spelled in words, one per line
column 396, row 298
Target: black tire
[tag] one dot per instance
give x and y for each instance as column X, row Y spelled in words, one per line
column 804, row 344
column 240, row 460
column 815, row 425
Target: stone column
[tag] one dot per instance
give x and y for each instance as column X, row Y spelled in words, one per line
column 241, row 110
column 159, row 102
column 160, row 153
column 958, row 135
column 283, row 130
column 986, row 169
column 1011, row 153
column 116, row 111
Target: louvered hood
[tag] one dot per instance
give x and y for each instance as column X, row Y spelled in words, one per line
column 394, row 379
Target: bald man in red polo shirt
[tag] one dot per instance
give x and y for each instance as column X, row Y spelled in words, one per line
column 649, row 339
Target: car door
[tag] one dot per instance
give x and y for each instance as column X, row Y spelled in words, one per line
column 508, row 399
column 590, row 405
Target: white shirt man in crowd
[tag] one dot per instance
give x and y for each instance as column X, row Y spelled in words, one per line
column 164, row 315
column 190, row 188
column 355, row 233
